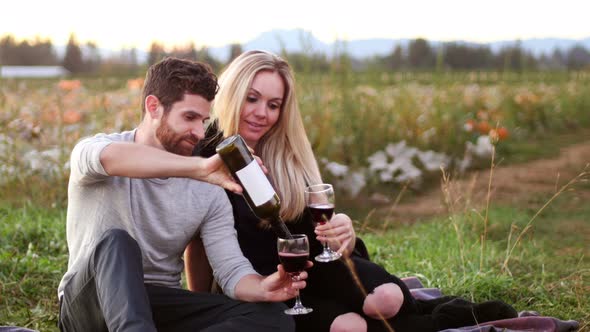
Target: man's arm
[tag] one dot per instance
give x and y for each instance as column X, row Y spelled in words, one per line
column 143, row 161
column 251, row 288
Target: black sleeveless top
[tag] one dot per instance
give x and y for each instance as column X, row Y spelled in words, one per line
column 332, row 288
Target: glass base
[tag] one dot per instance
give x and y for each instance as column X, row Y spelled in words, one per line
column 298, row 311
column 328, row 256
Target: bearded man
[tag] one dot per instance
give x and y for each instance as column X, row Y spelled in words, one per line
column 136, row 200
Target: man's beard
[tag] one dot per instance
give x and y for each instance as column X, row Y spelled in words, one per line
column 172, row 142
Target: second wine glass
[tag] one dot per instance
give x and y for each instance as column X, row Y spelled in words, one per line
column 320, row 202
column 293, row 254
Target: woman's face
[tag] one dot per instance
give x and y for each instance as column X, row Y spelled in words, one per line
column 262, row 106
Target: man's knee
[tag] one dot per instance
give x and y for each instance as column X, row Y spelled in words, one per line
column 115, row 245
column 117, row 239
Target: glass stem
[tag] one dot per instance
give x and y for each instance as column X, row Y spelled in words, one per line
column 327, row 247
column 298, row 303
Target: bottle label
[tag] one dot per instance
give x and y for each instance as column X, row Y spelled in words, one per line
column 255, row 183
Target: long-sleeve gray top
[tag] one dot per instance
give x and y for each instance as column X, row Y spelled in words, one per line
column 162, row 215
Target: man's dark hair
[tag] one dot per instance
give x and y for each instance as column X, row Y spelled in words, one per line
column 171, row 78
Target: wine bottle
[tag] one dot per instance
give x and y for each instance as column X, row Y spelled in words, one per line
column 258, row 192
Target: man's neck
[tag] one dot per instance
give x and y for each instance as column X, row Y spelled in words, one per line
column 143, row 135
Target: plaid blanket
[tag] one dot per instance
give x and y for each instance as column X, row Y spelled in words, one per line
column 526, row 322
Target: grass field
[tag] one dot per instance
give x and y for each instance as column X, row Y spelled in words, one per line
column 356, row 124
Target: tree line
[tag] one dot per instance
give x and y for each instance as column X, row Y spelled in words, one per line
column 418, row 54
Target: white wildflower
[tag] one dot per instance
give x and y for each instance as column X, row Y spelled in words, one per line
column 404, row 170
column 483, row 148
column 46, row 161
column 34, row 159
column 409, row 173
column 336, row 169
column 400, row 150
column 353, row 183
column 432, row 161
column 386, row 176
column 395, row 150
column 377, row 161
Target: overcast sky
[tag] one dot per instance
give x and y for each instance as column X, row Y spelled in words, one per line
column 122, row 23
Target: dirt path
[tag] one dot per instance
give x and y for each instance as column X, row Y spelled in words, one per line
column 510, row 184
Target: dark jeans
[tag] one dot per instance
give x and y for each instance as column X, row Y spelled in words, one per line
column 109, row 294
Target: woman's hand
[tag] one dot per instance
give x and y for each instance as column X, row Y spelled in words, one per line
column 338, row 232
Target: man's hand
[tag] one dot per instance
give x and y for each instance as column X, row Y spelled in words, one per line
column 338, row 232
column 213, row 170
column 279, row 286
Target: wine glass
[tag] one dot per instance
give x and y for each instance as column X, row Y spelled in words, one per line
column 320, row 202
column 293, row 254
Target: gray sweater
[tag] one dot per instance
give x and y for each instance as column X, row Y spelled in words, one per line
column 162, row 215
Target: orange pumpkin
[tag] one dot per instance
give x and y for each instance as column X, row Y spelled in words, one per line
column 71, row 117
column 483, row 127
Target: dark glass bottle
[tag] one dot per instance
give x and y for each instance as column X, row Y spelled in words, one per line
column 258, row 192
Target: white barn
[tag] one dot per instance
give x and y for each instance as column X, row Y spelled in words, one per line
column 32, row 71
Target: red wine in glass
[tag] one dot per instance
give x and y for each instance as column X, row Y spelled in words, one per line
column 293, row 254
column 319, row 199
column 321, row 212
column 293, row 262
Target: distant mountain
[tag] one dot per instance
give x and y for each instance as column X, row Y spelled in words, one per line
column 299, row 40
column 275, row 40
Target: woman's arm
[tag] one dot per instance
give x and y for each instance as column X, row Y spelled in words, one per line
column 199, row 276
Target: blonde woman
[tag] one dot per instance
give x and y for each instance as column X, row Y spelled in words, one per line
column 257, row 100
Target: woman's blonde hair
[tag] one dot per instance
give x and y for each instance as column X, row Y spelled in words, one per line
column 284, row 149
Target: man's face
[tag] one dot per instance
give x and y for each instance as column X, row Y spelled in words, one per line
column 183, row 126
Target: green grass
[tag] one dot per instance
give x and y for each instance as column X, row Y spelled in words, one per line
column 547, row 272
column 33, row 257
